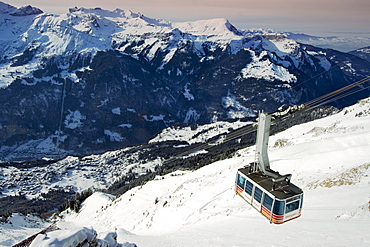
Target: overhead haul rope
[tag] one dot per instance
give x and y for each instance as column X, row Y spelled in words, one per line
column 330, row 97
column 238, row 133
column 342, row 96
column 337, row 64
column 319, row 101
column 327, row 98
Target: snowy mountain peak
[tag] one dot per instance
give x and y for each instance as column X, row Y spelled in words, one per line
column 118, row 15
column 6, row 8
column 26, row 10
column 127, row 13
column 104, row 13
column 22, row 11
column 214, row 27
column 138, row 23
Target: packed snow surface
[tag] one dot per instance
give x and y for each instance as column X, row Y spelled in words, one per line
column 328, row 158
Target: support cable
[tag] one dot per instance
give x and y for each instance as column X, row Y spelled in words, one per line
column 319, row 101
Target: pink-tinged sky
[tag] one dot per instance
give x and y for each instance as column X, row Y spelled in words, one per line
column 308, row 16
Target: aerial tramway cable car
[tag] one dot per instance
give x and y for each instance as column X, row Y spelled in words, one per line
column 271, row 193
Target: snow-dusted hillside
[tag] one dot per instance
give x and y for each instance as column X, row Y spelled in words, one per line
column 329, row 159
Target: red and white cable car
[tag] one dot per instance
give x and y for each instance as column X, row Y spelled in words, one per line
column 271, row 193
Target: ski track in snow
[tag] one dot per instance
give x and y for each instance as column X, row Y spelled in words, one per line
column 328, row 158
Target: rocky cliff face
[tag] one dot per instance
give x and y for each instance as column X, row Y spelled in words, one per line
column 92, row 80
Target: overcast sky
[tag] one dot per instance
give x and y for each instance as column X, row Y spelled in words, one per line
column 308, row 16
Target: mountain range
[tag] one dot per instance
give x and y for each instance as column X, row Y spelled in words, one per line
column 93, row 80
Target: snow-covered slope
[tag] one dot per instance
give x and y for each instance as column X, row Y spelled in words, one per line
column 19, row 227
column 329, row 159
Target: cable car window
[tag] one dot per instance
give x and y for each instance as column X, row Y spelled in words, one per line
column 257, row 194
column 267, row 202
column 279, row 207
column 301, row 201
column 249, row 187
column 292, row 206
column 240, row 181
column 293, row 198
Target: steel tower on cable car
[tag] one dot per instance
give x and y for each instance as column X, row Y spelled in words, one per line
column 271, row 193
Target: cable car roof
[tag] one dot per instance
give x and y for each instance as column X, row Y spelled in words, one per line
column 282, row 191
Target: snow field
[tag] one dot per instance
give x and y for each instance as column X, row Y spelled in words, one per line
column 200, row 208
column 328, row 159
column 18, row 228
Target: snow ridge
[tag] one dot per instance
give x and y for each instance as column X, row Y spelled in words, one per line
column 87, row 31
